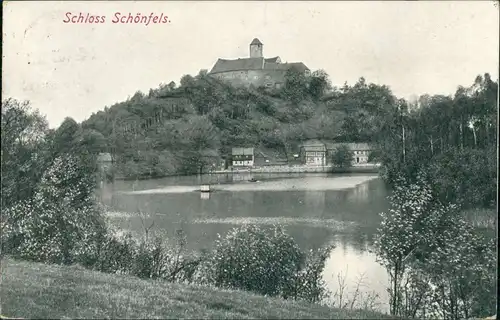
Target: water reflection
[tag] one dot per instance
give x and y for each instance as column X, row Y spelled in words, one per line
column 354, row 266
column 359, row 193
column 204, row 215
column 315, row 200
column 205, row 195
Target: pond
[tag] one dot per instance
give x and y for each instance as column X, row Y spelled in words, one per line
column 316, row 209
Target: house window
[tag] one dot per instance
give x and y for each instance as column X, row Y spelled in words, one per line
column 307, row 72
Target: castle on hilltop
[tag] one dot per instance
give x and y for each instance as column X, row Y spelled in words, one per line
column 256, row 70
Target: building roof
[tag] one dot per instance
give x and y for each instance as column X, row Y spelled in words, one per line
column 351, row 145
column 311, row 142
column 223, row 65
column 255, row 41
column 273, row 60
column 242, row 151
column 318, row 148
column 318, row 145
column 313, row 145
column 299, row 66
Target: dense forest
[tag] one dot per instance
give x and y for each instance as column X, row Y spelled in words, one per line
column 453, row 137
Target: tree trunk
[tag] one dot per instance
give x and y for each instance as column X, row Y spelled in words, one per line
column 461, row 136
column 395, row 291
column 486, row 132
column 404, row 146
column 432, row 146
column 474, row 133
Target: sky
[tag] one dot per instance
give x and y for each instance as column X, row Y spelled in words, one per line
column 76, row 69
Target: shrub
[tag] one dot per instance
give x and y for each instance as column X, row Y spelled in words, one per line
column 147, row 258
column 438, row 265
column 110, row 253
column 60, row 220
column 309, row 284
column 265, row 261
column 255, row 260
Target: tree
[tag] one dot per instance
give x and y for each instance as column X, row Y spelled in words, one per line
column 433, row 257
column 65, row 136
column 450, row 135
column 295, row 88
column 24, row 147
column 199, row 143
column 187, row 81
column 171, row 86
column 91, row 141
column 60, row 221
column 342, row 156
column 319, row 84
column 202, row 73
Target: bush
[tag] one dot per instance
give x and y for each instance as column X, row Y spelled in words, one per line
column 147, row 258
column 265, row 261
column 438, row 265
column 61, row 220
column 110, row 253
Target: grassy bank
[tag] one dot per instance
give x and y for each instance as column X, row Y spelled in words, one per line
column 34, row 290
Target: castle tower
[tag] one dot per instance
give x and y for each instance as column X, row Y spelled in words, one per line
column 256, row 48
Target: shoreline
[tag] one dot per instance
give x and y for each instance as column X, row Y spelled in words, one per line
column 293, row 184
column 272, row 170
column 301, row 169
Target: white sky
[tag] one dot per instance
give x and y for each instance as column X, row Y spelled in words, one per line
column 77, row 69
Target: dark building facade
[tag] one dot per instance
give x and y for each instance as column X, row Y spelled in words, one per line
column 255, row 70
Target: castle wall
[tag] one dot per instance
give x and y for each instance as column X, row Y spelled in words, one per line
column 257, row 78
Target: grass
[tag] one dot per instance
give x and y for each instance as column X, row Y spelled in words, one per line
column 35, row 290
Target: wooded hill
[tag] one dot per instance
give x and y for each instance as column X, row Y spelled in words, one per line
column 178, row 129
column 182, row 129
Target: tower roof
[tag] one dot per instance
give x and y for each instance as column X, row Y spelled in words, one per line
column 255, row 41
